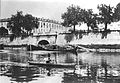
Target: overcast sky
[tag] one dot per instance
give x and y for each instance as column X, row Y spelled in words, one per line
column 51, row 9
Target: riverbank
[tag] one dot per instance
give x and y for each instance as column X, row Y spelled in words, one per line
column 78, row 38
column 89, row 42
column 67, row 47
column 100, row 47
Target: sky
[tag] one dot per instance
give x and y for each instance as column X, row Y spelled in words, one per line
column 49, row 9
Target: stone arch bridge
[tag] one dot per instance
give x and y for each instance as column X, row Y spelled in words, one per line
column 35, row 40
column 43, row 39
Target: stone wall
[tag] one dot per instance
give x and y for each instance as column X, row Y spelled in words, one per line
column 4, row 40
column 91, row 38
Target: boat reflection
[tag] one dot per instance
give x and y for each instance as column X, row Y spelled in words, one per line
column 69, row 67
column 27, row 74
column 20, row 74
column 103, row 73
column 85, row 72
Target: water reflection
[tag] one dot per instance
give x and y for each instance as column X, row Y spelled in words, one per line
column 19, row 74
column 88, row 67
column 93, row 73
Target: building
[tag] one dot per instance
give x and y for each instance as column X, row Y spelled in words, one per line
column 3, row 22
column 46, row 26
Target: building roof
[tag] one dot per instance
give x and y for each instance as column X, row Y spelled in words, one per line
column 49, row 20
column 5, row 20
column 40, row 19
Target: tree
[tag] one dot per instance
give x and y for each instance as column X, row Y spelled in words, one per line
column 89, row 18
column 106, row 14
column 69, row 37
column 29, row 23
column 18, row 23
column 94, row 22
column 75, row 15
column 3, row 31
column 72, row 16
column 117, row 12
column 15, row 24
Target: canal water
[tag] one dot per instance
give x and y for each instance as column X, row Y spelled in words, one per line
column 17, row 69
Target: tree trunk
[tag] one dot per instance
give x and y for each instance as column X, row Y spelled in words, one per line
column 88, row 29
column 55, row 39
column 27, row 33
column 74, row 28
column 105, row 27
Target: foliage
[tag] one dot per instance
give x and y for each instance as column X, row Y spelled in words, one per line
column 21, row 24
column 30, row 22
column 117, row 12
column 69, row 37
column 105, row 14
column 89, row 18
column 3, row 31
column 76, row 15
column 72, row 16
column 15, row 24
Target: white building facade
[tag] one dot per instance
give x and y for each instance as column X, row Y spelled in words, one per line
column 3, row 22
column 46, row 26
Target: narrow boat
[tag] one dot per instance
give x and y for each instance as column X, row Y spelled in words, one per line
column 15, row 47
column 50, row 48
column 101, row 48
column 4, row 68
column 1, row 47
column 52, row 65
column 33, row 47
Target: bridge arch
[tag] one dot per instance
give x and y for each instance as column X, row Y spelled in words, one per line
column 43, row 42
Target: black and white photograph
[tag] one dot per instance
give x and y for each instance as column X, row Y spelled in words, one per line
column 59, row 41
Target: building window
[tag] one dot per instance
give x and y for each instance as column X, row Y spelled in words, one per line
column 39, row 30
column 49, row 25
column 1, row 23
column 44, row 25
column 57, row 26
column 41, row 25
column 52, row 25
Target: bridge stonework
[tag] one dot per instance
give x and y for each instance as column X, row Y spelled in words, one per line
column 91, row 38
column 34, row 40
column 51, row 39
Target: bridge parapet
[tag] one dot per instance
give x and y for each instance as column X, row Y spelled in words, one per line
column 50, row 38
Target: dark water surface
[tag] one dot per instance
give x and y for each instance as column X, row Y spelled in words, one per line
column 95, row 67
